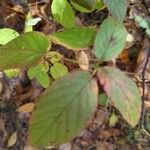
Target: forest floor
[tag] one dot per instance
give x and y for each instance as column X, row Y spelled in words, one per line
column 99, row 135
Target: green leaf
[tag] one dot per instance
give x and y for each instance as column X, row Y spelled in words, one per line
column 54, row 56
column 77, row 38
column 63, row 13
column 43, row 66
column 148, row 32
column 23, row 51
column 87, row 6
column 99, row 5
column 6, row 35
column 113, row 120
column 40, row 73
column 84, row 5
column 12, row 72
column 32, row 72
column 64, row 110
column 58, row 70
column 110, row 39
column 143, row 22
column 33, row 21
column 123, row 93
column 103, row 99
column 117, row 8
column 43, row 79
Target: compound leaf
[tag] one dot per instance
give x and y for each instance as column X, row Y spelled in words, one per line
column 63, row 110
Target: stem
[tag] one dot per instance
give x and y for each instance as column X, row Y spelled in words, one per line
column 143, row 75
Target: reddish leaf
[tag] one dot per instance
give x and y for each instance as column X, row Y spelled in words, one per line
column 123, row 93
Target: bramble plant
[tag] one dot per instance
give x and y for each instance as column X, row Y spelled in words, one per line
column 67, row 105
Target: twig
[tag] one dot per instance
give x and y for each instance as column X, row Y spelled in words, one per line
column 143, row 74
column 145, row 5
column 143, row 87
column 146, row 132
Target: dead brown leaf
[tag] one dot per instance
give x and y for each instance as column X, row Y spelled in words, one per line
column 12, row 140
column 105, row 146
column 83, row 60
column 108, row 133
column 27, row 108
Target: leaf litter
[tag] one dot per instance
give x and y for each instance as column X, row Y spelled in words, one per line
column 20, row 91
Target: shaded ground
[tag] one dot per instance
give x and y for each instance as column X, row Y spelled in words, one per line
column 20, row 90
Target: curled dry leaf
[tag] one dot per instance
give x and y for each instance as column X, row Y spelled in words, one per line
column 83, row 60
column 27, row 108
column 12, row 139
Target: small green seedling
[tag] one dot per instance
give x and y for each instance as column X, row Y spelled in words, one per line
column 67, row 105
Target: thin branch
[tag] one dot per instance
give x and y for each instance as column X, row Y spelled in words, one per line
column 145, row 5
column 144, row 73
column 143, row 86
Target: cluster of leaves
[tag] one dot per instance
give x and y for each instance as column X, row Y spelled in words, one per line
column 42, row 71
column 70, row 101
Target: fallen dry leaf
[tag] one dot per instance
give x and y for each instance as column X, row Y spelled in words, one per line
column 124, row 56
column 27, row 108
column 12, row 139
column 105, row 146
column 2, row 124
column 28, row 147
column 108, row 133
column 147, row 104
column 66, row 146
column 101, row 117
column 83, row 60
